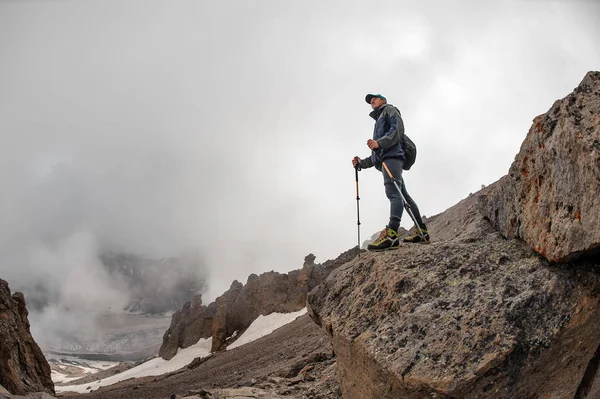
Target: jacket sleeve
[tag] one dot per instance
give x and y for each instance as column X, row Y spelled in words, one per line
column 395, row 131
column 366, row 163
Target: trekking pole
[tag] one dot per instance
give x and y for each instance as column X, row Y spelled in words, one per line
column 404, row 202
column 356, row 169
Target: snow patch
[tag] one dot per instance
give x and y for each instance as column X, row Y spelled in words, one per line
column 69, row 368
column 58, row 378
column 156, row 366
column 265, row 325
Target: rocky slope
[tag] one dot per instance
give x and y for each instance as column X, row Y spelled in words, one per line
column 294, row 362
column 474, row 314
column 238, row 307
column 467, row 317
column 23, row 368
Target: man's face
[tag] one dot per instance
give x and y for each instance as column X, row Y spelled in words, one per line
column 377, row 102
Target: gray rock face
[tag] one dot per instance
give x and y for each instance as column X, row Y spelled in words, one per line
column 188, row 325
column 23, row 367
column 551, row 196
column 471, row 315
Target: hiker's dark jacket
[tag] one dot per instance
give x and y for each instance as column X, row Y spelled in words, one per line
column 388, row 132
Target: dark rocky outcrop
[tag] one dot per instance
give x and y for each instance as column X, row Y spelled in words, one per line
column 551, row 195
column 188, row 325
column 479, row 313
column 239, row 306
column 23, row 367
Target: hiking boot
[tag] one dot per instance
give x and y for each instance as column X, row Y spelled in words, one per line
column 417, row 237
column 388, row 239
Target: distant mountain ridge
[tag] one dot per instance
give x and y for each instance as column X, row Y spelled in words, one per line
column 127, row 327
column 156, row 286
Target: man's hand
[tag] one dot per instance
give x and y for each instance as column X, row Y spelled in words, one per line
column 355, row 161
column 372, row 144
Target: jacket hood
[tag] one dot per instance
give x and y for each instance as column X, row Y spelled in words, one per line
column 376, row 112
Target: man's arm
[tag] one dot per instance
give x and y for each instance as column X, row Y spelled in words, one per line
column 396, row 130
column 366, row 163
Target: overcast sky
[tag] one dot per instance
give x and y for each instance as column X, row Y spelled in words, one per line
column 228, row 127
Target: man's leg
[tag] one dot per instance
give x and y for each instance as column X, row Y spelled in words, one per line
column 396, row 203
column 417, row 214
column 388, row 238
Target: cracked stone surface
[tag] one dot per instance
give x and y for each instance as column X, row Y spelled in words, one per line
column 550, row 197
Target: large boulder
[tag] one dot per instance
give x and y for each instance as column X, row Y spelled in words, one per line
column 551, row 195
column 471, row 315
column 238, row 307
column 23, row 367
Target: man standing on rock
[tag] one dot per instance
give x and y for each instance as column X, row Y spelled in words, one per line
column 386, row 145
